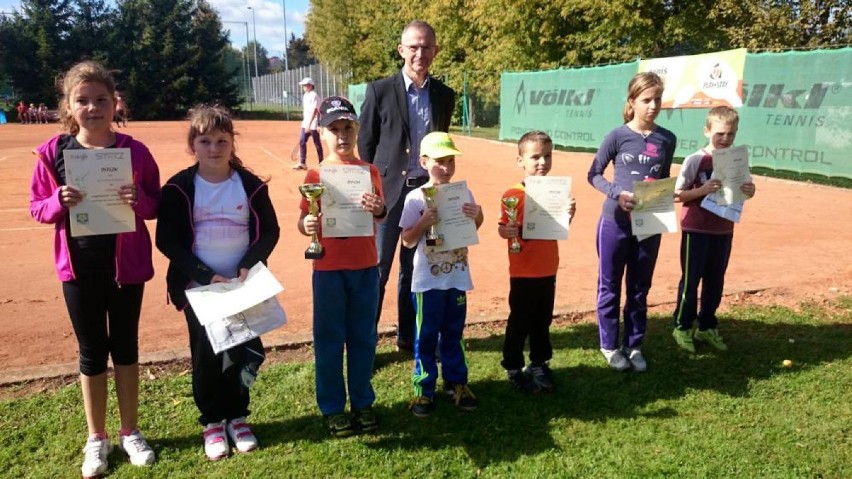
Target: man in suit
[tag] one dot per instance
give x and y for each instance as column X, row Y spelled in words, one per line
column 397, row 113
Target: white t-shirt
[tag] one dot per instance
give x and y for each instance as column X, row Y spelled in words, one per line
column 434, row 270
column 221, row 221
column 310, row 103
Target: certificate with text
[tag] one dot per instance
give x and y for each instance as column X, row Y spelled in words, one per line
column 236, row 312
column 457, row 229
column 99, row 175
column 342, row 214
column 546, row 203
column 654, row 212
column 730, row 166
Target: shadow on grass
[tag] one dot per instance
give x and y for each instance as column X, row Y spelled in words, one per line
column 507, row 425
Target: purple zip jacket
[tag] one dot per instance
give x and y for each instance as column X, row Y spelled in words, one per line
column 133, row 263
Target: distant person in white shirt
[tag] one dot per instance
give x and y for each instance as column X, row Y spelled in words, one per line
column 310, row 105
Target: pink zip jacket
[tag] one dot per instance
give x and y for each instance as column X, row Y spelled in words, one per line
column 133, row 263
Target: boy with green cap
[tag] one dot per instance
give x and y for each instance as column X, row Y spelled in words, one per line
column 439, row 285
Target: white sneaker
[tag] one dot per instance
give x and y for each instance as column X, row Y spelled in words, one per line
column 95, row 454
column 615, row 359
column 137, row 448
column 241, row 435
column 215, row 443
column 637, row 361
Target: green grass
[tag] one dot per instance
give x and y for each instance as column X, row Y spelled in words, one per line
column 737, row 414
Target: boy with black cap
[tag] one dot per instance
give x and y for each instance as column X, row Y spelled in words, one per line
column 345, row 287
column 439, row 285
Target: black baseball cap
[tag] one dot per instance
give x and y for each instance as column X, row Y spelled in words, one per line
column 336, row 108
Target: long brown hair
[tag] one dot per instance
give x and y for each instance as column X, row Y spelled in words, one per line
column 83, row 72
column 639, row 83
column 206, row 118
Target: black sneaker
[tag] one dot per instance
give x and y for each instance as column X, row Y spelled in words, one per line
column 463, row 397
column 522, row 382
column 422, row 406
column 339, row 425
column 365, row 419
column 541, row 375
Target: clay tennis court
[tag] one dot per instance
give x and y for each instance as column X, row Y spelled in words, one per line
column 795, row 243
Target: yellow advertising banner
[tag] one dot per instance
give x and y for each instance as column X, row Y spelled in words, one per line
column 700, row 81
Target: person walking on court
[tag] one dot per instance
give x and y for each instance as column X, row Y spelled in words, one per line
column 397, row 113
column 310, row 114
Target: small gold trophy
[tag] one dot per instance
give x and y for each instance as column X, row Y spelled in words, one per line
column 511, row 204
column 432, row 236
column 312, row 192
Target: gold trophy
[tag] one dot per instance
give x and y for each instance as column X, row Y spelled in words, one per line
column 432, row 236
column 312, row 192
column 511, row 204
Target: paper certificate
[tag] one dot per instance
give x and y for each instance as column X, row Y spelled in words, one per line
column 731, row 212
column 98, row 175
column 342, row 215
column 456, row 229
column 654, row 212
column 730, row 166
column 235, row 312
column 546, row 203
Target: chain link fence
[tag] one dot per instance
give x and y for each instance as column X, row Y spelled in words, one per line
column 283, row 91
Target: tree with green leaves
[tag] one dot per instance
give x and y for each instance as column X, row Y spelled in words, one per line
column 215, row 79
column 262, row 58
column 299, row 53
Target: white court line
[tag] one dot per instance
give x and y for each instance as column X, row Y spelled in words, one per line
column 3, row 230
column 279, row 160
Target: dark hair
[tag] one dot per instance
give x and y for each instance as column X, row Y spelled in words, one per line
column 535, row 136
column 206, row 118
column 639, row 83
column 83, row 72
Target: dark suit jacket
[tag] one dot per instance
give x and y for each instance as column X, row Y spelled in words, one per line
column 383, row 137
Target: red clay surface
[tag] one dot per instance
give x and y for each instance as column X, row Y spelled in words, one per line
column 793, row 241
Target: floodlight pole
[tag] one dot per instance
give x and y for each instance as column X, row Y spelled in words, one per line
column 286, row 56
column 254, row 28
column 245, row 63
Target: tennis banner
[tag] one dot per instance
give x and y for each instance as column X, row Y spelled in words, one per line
column 575, row 106
column 795, row 109
column 700, row 81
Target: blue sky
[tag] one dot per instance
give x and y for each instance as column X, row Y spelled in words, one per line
column 268, row 19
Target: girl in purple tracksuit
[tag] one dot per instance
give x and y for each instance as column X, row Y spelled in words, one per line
column 103, row 275
column 639, row 150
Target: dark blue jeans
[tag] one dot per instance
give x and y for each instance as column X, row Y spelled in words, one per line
column 387, row 237
column 303, row 145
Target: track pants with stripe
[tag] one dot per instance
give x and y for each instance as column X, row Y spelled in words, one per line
column 345, row 305
column 618, row 250
column 440, row 315
column 703, row 258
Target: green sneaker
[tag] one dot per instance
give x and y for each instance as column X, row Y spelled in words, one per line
column 684, row 340
column 711, row 337
column 339, row 425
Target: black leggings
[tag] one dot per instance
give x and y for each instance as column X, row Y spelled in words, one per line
column 105, row 318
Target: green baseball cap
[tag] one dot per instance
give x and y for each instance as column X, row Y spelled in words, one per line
column 438, row 145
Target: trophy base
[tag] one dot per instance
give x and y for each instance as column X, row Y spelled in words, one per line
column 314, row 254
column 434, row 241
column 514, row 250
